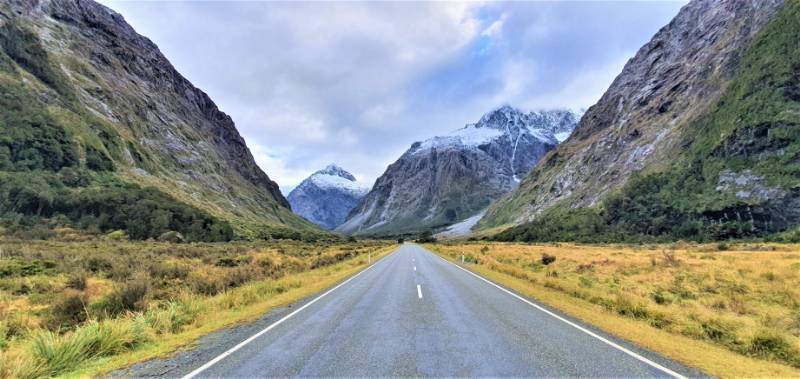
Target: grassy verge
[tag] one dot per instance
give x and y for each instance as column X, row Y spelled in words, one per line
column 120, row 322
column 729, row 311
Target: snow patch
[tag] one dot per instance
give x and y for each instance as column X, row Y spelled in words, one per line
column 326, row 181
column 463, row 228
column 561, row 137
column 469, row 136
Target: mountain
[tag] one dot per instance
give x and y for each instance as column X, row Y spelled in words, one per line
column 98, row 131
column 697, row 138
column 449, row 178
column 327, row 196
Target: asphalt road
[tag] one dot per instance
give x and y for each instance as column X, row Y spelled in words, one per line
column 414, row 314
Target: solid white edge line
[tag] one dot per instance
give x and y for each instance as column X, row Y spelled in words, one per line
column 574, row 325
column 242, row 344
column 419, row 291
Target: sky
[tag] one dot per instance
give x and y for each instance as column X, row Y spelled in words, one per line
column 356, row 83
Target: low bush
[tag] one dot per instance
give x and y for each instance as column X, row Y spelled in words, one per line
column 76, row 281
column 131, row 296
column 68, row 312
column 426, row 237
column 770, row 345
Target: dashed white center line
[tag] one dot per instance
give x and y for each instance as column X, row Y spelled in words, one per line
column 415, row 268
column 419, row 291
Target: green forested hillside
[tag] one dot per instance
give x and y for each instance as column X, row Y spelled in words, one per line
column 738, row 175
column 99, row 133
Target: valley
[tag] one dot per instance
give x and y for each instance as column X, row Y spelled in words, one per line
column 653, row 234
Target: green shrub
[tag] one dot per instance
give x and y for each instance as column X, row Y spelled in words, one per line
column 68, row 312
column 131, row 296
column 98, row 264
column 97, row 160
column 77, row 281
column 117, row 235
column 426, row 237
column 625, row 306
column 771, row 345
column 21, row 268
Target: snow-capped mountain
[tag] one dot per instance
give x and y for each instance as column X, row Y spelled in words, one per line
column 449, row 178
column 327, row 196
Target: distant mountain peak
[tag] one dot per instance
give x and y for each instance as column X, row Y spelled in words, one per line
column 501, row 116
column 327, row 196
column 549, row 126
column 448, row 178
column 334, row 170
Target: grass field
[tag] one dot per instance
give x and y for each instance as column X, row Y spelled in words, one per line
column 728, row 310
column 85, row 308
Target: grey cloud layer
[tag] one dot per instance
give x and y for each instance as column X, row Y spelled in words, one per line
column 356, row 83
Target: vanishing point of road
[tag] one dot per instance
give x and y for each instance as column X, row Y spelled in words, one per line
column 415, row 314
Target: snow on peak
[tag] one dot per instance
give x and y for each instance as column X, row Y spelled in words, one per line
column 333, row 169
column 501, row 117
column 470, row 135
column 548, row 126
column 335, row 177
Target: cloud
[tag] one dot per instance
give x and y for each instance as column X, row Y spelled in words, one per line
column 355, row 83
column 495, row 29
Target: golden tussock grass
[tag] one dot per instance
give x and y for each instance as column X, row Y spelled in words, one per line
column 85, row 309
column 728, row 310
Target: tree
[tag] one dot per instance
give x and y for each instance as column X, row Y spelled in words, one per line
column 426, row 237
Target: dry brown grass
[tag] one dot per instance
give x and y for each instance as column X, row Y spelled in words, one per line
column 740, row 303
column 59, row 300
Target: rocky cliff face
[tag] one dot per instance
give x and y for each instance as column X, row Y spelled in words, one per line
column 640, row 123
column 698, row 138
column 327, row 196
column 449, row 178
column 112, row 92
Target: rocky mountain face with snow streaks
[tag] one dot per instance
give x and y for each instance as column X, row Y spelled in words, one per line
column 449, row 178
column 327, row 196
column 697, row 138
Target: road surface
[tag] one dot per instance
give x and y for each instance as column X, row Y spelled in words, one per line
column 415, row 314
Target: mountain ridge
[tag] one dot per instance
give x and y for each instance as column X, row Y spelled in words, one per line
column 327, row 196
column 131, row 118
column 448, row 178
column 693, row 140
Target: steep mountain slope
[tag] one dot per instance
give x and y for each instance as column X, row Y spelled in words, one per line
column 696, row 138
column 327, row 196
column 449, row 178
column 84, row 95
